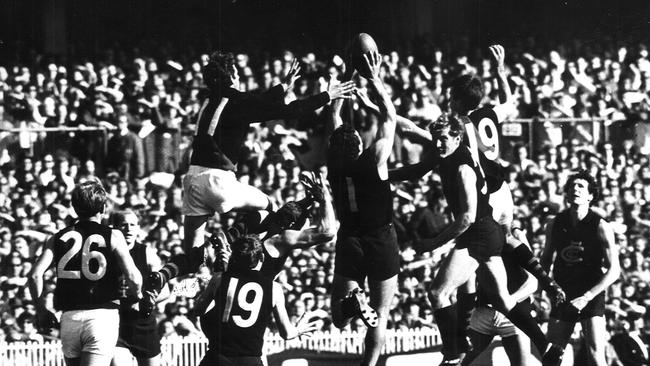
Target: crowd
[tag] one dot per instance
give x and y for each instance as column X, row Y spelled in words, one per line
column 148, row 105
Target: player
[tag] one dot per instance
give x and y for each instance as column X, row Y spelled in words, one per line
column 479, row 241
column 244, row 299
column 367, row 243
column 89, row 258
column 138, row 336
column 580, row 245
column 210, row 184
column 486, row 322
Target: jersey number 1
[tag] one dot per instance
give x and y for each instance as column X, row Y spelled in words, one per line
column 86, row 256
column 253, row 306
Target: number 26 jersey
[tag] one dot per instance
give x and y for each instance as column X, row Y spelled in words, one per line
column 86, row 269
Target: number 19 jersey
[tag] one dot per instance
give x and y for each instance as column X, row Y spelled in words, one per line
column 235, row 326
column 86, row 268
column 486, row 120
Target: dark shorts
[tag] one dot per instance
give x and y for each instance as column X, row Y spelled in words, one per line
column 566, row 312
column 484, row 239
column 140, row 336
column 213, row 358
column 371, row 252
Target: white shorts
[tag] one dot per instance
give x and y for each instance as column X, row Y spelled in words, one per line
column 210, row 190
column 488, row 321
column 91, row 331
column 502, row 205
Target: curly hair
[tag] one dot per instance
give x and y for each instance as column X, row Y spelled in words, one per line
column 344, row 144
column 456, row 127
column 592, row 186
column 247, row 252
column 468, row 91
column 216, row 73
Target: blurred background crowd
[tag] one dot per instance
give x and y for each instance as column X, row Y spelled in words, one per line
column 143, row 102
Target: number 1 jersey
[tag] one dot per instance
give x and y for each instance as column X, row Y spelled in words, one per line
column 86, row 269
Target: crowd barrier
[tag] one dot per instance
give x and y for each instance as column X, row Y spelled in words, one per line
column 188, row 351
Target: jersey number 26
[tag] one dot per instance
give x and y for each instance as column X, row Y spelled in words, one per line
column 86, row 256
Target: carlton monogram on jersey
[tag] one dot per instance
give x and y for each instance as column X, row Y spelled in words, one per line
column 86, row 270
column 580, row 252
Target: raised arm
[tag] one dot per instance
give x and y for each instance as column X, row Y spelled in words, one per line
column 468, row 198
column 383, row 145
column 285, row 327
column 403, row 123
column 260, row 109
column 605, row 234
column 507, row 106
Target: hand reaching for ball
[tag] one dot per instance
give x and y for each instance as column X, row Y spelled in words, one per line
column 373, row 62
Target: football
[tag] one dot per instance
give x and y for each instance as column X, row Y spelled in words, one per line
column 360, row 45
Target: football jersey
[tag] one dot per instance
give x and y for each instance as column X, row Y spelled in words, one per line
column 361, row 198
column 86, row 268
column 580, row 252
column 486, row 136
column 235, row 326
column 448, row 174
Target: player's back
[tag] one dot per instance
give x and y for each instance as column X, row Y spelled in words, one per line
column 486, row 135
column 361, row 198
column 235, row 326
column 86, row 268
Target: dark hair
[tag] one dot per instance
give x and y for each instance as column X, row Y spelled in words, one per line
column 216, row 73
column 592, row 186
column 456, row 127
column 468, row 91
column 88, row 198
column 290, row 214
column 117, row 217
column 247, row 252
column 344, row 144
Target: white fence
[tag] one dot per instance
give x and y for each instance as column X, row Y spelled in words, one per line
column 189, row 351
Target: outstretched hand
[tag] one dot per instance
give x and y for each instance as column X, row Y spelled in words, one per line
column 499, row 55
column 374, row 63
column 306, row 327
column 340, row 90
column 314, row 185
column 292, row 75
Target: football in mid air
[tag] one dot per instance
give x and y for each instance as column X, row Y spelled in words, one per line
column 361, row 44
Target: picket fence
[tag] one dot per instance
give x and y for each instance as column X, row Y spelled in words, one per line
column 188, row 351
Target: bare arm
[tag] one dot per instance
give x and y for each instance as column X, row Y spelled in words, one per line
column 35, row 279
column 548, row 253
column 606, row 233
column 203, row 301
column 126, row 264
column 326, row 224
column 466, row 180
column 404, row 124
column 507, row 106
column 286, row 329
column 383, row 145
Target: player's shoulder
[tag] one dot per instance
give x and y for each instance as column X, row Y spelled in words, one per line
column 483, row 112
